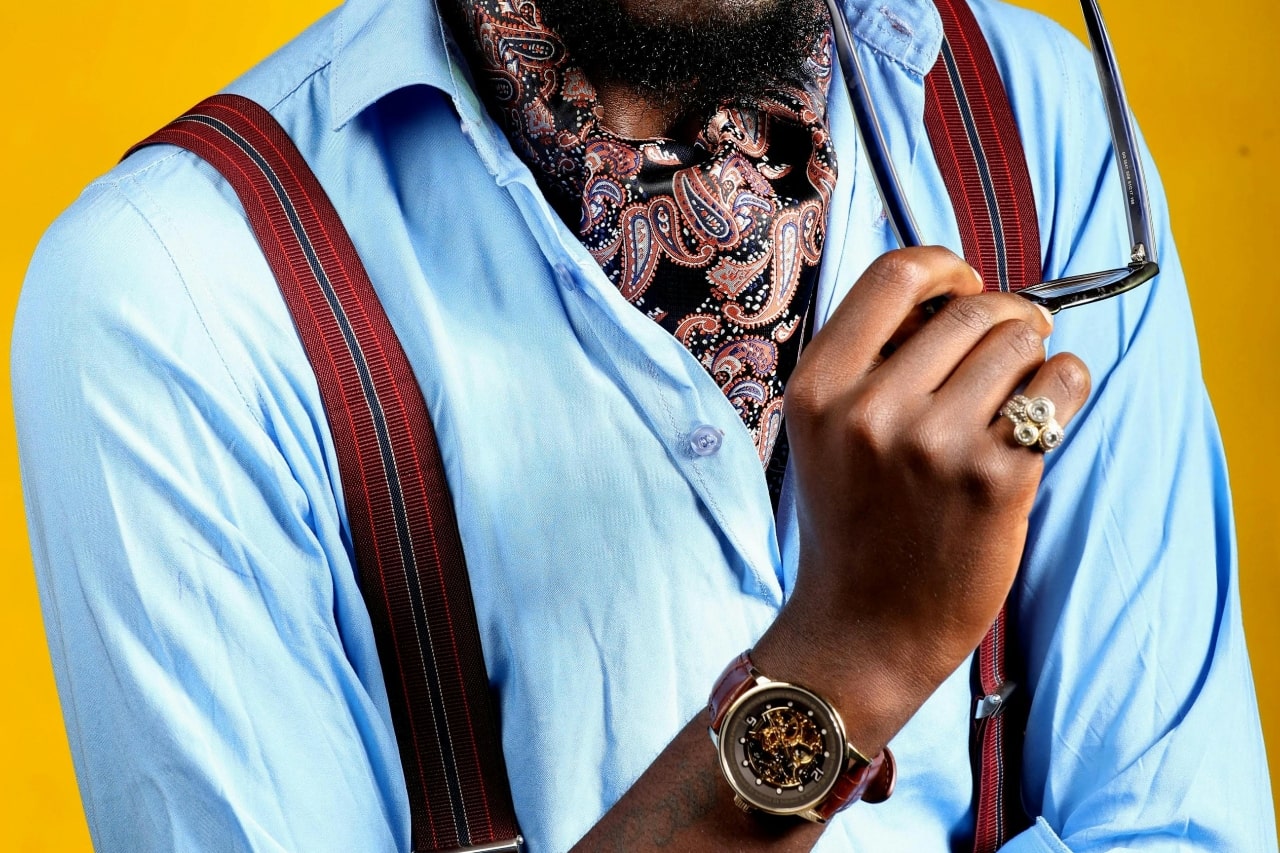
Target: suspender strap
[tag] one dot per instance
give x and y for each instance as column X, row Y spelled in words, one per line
column 407, row 548
column 996, row 745
column 976, row 143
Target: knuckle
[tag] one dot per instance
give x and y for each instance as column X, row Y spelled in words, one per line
column 1000, row 467
column 970, row 312
column 919, row 270
column 998, row 478
column 807, row 398
column 927, row 445
column 897, row 270
column 1023, row 339
column 983, row 481
column 869, row 423
column 1072, row 377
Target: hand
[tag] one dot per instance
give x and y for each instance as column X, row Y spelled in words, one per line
column 912, row 495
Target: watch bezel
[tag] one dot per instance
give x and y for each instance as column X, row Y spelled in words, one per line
column 726, row 748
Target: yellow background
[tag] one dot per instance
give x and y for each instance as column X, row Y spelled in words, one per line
column 88, row 77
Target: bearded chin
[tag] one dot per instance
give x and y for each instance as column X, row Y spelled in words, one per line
column 698, row 54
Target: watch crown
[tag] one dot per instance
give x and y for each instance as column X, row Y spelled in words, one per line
column 743, row 804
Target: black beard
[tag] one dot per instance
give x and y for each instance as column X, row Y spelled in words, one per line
column 698, row 61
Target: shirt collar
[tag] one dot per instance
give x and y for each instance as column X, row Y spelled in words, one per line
column 381, row 46
column 906, row 31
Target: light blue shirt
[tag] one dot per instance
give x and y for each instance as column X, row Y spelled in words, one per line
column 213, row 654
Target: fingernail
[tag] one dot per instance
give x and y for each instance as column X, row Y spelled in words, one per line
column 978, row 276
column 1045, row 311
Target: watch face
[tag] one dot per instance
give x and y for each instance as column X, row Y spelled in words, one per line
column 782, row 748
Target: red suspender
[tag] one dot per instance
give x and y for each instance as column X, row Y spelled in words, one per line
column 980, row 155
column 979, row 152
column 408, row 550
column 407, row 547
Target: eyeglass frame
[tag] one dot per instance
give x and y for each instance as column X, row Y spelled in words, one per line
column 1059, row 293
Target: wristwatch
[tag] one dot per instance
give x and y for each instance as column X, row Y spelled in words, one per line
column 783, row 748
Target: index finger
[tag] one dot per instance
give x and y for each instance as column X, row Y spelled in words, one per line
column 883, row 299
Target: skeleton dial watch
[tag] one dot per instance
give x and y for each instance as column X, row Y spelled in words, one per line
column 783, row 748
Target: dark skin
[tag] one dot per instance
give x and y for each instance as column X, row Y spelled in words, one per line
column 913, row 500
column 634, row 114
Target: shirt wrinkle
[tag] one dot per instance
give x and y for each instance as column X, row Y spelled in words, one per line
column 495, row 303
column 186, row 286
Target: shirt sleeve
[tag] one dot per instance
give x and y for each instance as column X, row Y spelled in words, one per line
column 195, row 596
column 1143, row 730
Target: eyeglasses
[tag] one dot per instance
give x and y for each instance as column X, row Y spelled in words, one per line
column 1058, row 293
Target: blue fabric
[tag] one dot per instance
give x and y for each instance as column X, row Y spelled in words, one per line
column 214, row 657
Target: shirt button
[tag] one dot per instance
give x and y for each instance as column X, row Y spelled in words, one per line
column 706, row 440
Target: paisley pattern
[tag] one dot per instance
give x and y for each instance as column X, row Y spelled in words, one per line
column 719, row 240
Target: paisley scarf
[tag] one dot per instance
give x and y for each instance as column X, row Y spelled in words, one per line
column 718, row 240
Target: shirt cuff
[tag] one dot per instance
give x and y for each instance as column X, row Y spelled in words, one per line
column 1039, row 838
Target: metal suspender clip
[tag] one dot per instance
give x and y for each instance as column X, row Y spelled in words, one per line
column 515, row 845
column 993, row 703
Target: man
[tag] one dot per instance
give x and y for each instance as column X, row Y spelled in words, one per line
column 617, row 504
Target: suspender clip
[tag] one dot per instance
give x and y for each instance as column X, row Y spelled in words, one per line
column 993, row 703
column 515, row 845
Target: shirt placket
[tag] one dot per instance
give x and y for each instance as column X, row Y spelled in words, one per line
column 680, row 402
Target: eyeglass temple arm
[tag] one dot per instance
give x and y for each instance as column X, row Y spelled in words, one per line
column 1133, row 182
column 901, row 220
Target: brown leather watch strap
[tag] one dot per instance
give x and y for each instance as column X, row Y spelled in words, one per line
column 738, row 677
column 872, row 783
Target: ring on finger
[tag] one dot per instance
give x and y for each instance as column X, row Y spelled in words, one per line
column 1033, row 420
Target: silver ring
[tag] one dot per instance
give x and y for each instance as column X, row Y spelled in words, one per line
column 1033, row 422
